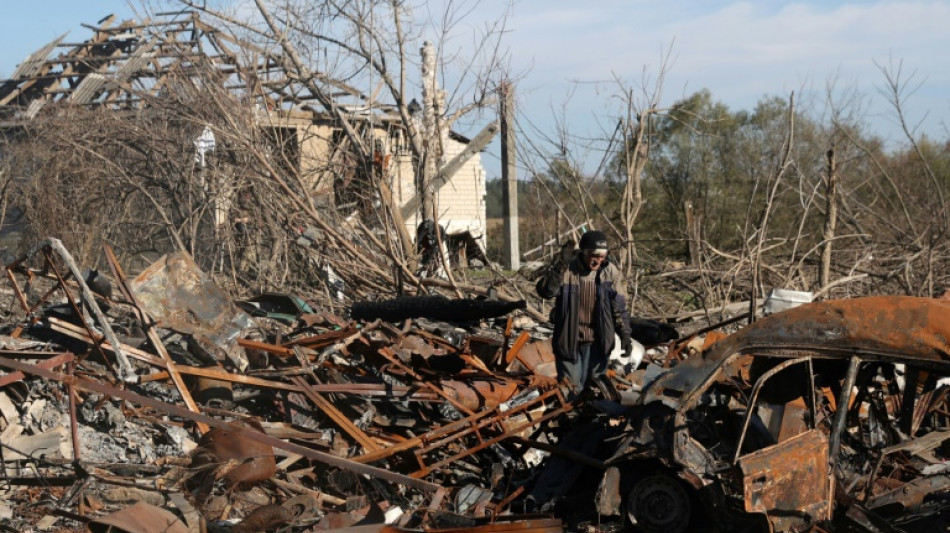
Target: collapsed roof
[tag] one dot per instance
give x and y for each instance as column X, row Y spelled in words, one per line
column 121, row 65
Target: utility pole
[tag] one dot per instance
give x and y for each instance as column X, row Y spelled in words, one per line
column 831, row 216
column 433, row 104
column 509, row 177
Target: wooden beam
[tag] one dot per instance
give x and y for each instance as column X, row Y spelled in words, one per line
column 446, row 172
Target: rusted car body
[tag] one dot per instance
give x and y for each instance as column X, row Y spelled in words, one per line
column 750, row 435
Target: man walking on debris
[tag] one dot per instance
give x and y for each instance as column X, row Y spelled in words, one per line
column 590, row 307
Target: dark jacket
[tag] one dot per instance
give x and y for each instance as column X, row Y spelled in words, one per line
column 610, row 308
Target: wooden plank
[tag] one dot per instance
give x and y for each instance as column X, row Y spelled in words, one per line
column 480, row 141
column 78, row 333
column 516, row 347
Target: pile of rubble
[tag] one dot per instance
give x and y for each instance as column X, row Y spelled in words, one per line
column 160, row 392
column 157, row 404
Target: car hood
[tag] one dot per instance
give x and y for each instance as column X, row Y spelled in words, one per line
column 900, row 327
column 896, row 328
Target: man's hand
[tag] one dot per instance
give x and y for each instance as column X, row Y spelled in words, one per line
column 568, row 252
column 560, row 260
column 550, row 282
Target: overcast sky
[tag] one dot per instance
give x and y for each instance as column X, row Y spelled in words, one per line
column 740, row 51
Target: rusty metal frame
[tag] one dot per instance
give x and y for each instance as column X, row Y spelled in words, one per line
column 439, row 437
column 390, row 355
column 485, row 419
column 174, row 410
column 754, row 397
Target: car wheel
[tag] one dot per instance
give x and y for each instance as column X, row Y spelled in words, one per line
column 659, row 504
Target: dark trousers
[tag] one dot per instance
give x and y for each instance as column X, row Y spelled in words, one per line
column 591, row 362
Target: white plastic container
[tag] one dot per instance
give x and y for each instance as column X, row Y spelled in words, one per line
column 782, row 299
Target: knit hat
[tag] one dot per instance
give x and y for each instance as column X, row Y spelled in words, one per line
column 594, row 241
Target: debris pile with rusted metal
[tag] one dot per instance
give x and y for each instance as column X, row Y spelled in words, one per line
column 156, row 404
column 747, row 433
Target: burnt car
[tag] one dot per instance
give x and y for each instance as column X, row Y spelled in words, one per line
column 831, row 415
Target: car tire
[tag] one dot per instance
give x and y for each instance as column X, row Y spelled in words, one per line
column 659, row 504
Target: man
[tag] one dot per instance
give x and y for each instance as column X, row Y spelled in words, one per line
column 589, row 308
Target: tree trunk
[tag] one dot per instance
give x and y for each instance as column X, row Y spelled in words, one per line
column 636, row 152
column 692, row 234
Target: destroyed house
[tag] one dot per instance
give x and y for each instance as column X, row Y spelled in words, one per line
column 125, row 65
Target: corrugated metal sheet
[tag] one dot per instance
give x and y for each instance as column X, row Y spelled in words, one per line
column 88, row 88
column 32, row 63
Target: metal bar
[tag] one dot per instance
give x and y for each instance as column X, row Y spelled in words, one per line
column 235, row 378
column 323, row 339
column 440, row 431
column 500, row 506
column 568, row 454
column 127, row 373
column 487, row 443
column 906, row 417
column 519, row 344
column 18, row 291
column 73, row 424
column 872, row 477
column 30, row 354
column 389, row 354
column 359, row 389
column 272, row 349
column 42, row 299
column 516, row 347
column 257, row 436
column 709, row 328
column 49, row 364
column 47, row 252
column 75, row 332
column 341, row 420
column 78, row 333
column 475, row 425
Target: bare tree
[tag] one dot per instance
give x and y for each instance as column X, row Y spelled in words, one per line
column 373, row 44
